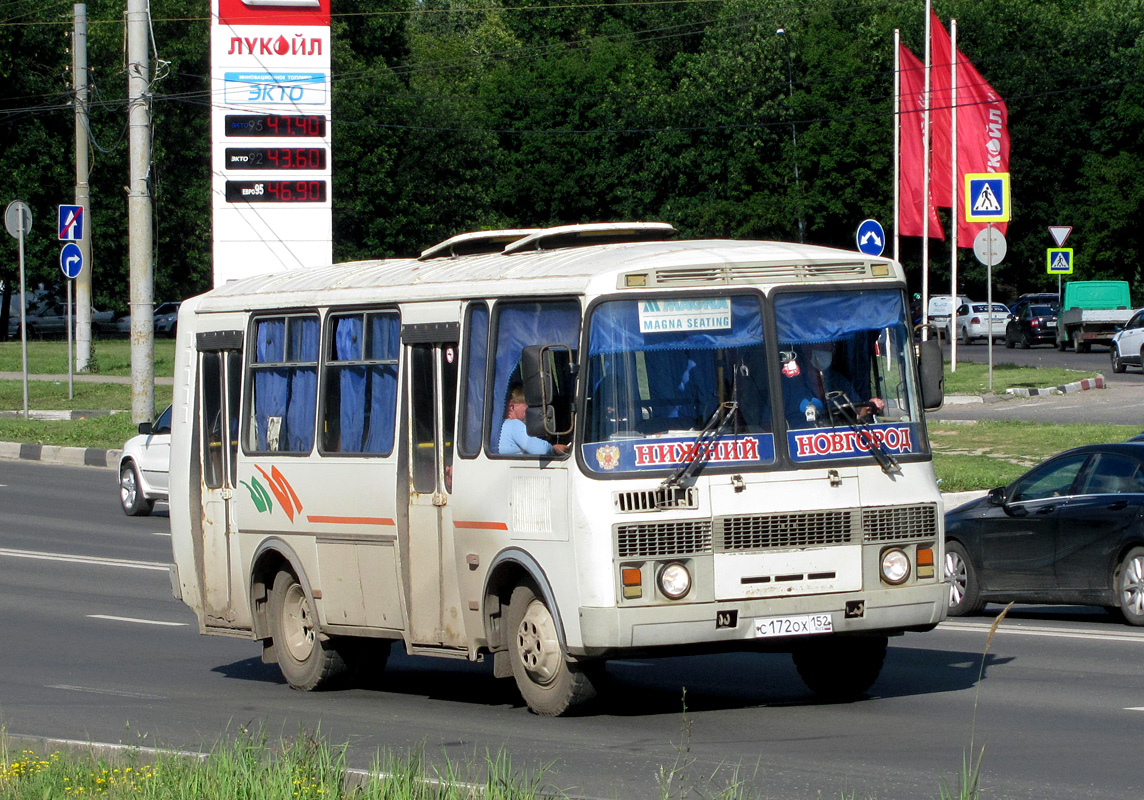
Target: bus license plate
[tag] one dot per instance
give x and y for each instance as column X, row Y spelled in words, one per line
column 794, row 626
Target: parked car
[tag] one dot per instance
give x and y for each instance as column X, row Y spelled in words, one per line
column 166, row 320
column 975, row 322
column 1034, row 298
column 1127, row 345
column 1031, row 324
column 50, row 319
column 1070, row 530
column 144, row 467
column 941, row 307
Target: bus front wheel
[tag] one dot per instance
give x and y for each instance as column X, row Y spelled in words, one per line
column 550, row 684
column 839, row 667
column 307, row 660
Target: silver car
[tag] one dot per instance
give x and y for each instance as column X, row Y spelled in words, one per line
column 975, row 322
column 144, row 467
column 166, row 320
column 1128, row 344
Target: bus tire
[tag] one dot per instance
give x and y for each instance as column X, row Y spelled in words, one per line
column 550, row 684
column 307, row 660
column 840, row 668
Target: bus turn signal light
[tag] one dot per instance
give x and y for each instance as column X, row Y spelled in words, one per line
column 632, row 579
column 925, row 562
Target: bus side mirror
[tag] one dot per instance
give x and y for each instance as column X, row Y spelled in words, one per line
column 547, row 372
column 932, row 374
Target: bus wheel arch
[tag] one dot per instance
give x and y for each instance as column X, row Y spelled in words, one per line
column 512, row 568
column 271, row 556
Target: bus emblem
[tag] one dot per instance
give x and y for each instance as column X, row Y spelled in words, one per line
column 281, row 489
column 608, row 457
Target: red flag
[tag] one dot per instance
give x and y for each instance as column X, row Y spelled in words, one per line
column 982, row 129
column 912, row 152
column 940, row 116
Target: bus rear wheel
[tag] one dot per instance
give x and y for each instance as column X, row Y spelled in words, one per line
column 838, row 667
column 550, row 684
column 307, row 660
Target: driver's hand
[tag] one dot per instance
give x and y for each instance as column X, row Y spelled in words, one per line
column 877, row 405
column 559, row 449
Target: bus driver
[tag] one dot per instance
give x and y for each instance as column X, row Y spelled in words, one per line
column 514, row 436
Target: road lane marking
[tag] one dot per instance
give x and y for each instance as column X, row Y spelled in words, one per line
column 137, row 620
column 94, row 560
column 160, row 533
column 116, row 692
column 1136, row 708
column 1101, row 636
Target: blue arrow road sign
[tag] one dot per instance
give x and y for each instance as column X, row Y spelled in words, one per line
column 71, row 260
column 871, row 237
column 71, row 223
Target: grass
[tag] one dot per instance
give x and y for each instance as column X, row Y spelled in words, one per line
column 986, row 453
column 974, row 378
column 109, row 357
column 247, row 766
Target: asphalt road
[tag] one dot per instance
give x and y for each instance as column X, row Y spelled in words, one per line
column 96, row 648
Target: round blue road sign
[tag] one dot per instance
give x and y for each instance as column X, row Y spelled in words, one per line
column 71, row 260
column 871, row 238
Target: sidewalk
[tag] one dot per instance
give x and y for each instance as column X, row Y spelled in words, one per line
column 80, row 378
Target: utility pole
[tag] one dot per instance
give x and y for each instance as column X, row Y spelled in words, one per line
column 139, row 215
column 794, row 137
column 82, row 192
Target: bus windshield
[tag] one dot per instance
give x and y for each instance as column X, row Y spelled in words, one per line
column 845, row 365
column 663, row 370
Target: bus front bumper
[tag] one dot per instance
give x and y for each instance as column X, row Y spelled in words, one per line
column 731, row 625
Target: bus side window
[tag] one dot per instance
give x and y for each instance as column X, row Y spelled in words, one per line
column 360, row 398
column 476, row 352
column 517, row 326
column 284, row 385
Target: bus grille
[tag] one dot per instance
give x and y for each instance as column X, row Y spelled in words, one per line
column 755, row 273
column 648, row 539
column 800, row 529
column 760, row 532
column 891, row 523
column 655, row 499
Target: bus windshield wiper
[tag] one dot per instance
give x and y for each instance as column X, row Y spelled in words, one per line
column 840, row 403
column 697, row 453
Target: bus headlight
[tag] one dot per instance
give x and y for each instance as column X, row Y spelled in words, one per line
column 895, row 566
column 674, row 581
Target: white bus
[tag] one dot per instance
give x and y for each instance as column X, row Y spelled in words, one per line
column 555, row 447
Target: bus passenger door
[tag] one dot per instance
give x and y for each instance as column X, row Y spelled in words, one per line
column 434, row 611
column 220, row 380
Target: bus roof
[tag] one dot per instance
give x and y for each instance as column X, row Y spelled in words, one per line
column 571, row 270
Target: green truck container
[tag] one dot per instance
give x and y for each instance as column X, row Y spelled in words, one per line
column 1091, row 312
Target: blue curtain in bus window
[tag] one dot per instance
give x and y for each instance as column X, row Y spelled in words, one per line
column 303, row 396
column 477, row 344
column 520, row 325
column 671, row 372
column 348, row 346
column 384, row 345
column 270, row 385
column 804, row 318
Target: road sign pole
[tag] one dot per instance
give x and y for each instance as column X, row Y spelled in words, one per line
column 71, row 346
column 989, row 304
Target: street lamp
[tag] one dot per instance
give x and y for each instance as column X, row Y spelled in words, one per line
column 793, row 136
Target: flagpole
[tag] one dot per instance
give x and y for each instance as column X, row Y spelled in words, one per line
column 954, row 192
column 897, row 141
column 925, row 181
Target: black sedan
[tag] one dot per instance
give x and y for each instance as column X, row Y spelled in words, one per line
column 1069, row 531
column 1031, row 324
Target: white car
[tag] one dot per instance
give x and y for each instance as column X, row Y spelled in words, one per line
column 975, row 322
column 1128, row 344
column 941, row 308
column 144, row 467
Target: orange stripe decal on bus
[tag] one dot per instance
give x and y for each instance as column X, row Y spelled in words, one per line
column 481, row 526
column 351, row 520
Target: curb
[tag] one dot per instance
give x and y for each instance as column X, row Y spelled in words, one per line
column 1066, row 388
column 55, row 454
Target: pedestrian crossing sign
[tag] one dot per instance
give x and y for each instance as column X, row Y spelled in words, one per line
column 987, row 197
column 1060, row 260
